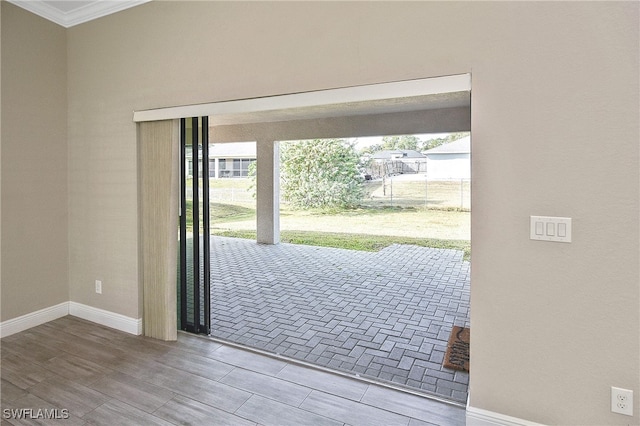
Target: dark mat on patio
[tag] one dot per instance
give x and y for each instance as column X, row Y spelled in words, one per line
column 457, row 355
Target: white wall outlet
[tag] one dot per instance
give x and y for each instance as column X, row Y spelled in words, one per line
column 622, row 401
column 98, row 286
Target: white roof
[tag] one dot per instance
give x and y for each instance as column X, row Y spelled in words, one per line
column 233, row 150
column 388, row 154
column 461, row 146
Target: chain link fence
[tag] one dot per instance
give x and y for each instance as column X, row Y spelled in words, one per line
column 231, row 195
column 394, row 191
column 418, row 192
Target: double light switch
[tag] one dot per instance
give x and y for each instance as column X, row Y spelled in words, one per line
column 547, row 228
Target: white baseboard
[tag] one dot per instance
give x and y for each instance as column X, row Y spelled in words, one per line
column 106, row 318
column 480, row 417
column 89, row 313
column 33, row 319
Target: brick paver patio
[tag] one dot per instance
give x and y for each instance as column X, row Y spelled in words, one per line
column 384, row 315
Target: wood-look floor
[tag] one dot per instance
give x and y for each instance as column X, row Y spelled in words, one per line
column 106, row 377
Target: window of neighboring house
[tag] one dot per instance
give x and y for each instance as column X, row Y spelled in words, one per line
column 226, row 167
column 235, row 167
column 244, row 168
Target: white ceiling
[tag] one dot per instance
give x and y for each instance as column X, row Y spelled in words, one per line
column 73, row 12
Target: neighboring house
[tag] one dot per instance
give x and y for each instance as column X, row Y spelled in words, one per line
column 231, row 159
column 397, row 161
column 228, row 160
column 450, row 161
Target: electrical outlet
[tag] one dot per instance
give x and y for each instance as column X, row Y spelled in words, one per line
column 622, row 401
column 98, row 286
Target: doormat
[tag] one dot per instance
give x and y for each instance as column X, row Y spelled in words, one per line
column 457, row 355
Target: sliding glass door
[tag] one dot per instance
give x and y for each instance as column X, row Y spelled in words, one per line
column 194, row 233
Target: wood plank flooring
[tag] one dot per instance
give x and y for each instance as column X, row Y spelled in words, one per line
column 101, row 376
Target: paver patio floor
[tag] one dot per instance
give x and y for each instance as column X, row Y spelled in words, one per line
column 385, row 315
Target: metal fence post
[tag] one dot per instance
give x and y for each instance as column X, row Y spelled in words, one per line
column 426, row 192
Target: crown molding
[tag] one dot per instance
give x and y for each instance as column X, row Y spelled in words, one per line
column 90, row 11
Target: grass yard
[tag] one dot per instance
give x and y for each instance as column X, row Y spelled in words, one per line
column 373, row 226
column 364, row 242
column 400, row 222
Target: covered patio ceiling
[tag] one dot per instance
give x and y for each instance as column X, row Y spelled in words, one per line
column 445, row 92
column 351, row 108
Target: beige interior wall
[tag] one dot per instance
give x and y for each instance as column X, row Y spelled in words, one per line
column 555, row 132
column 34, row 251
column 0, row 162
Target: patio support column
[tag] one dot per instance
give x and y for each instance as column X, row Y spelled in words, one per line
column 268, row 192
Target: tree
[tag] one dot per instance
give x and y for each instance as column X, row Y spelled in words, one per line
column 401, row 142
column 371, row 149
column 432, row 143
column 320, row 173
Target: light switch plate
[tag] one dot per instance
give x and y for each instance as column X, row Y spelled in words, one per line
column 549, row 228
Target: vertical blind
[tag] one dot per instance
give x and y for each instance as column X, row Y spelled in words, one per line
column 158, row 156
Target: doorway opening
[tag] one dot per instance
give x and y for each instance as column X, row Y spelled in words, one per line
column 277, row 284
column 376, row 306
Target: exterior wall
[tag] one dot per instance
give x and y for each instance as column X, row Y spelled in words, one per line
column 449, row 166
column 570, row 327
column 34, row 248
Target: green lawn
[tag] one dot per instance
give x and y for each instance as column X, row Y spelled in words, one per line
column 364, row 242
column 400, row 222
column 371, row 227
